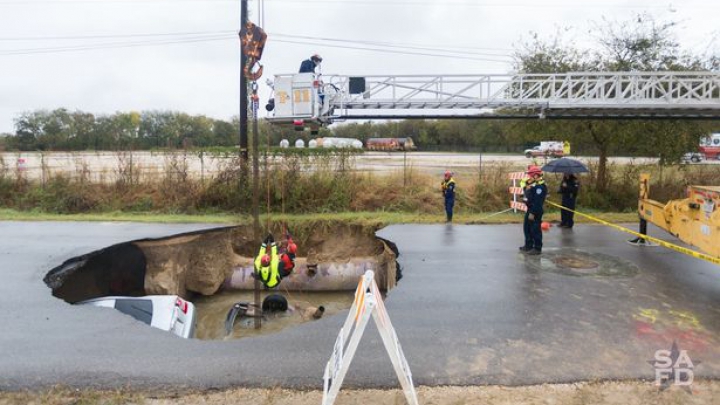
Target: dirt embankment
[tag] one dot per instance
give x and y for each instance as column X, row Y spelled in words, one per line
column 595, row 393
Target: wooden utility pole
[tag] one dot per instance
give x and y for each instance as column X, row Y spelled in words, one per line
column 244, row 148
column 243, row 89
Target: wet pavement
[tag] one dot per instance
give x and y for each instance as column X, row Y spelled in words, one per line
column 469, row 309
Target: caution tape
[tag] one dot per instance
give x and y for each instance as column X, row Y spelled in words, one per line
column 660, row 242
column 497, row 213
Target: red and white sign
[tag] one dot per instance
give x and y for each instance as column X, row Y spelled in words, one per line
column 520, row 206
column 515, row 191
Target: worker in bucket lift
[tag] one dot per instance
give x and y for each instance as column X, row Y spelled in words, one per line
column 535, row 193
column 271, row 267
column 448, row 189
column 309, row 65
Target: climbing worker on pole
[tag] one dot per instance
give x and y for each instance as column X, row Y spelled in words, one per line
column 448, row 189
column 535, row 193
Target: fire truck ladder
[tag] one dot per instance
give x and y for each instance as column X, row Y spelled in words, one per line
column 687, row 95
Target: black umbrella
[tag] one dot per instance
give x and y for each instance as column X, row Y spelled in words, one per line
column 565, row 165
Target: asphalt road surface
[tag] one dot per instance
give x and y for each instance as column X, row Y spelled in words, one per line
column 469, row 310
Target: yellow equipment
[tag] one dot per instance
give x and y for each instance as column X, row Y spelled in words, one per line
column 695, row 220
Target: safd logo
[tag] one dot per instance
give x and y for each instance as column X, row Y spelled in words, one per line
column 674, row 367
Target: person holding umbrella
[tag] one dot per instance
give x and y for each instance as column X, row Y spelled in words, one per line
column 569, row 190
column 535, row 194
column 569, row 187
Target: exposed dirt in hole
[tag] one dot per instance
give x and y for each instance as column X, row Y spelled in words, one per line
column 199, row 262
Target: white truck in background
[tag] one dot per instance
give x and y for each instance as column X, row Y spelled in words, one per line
column 546, row 149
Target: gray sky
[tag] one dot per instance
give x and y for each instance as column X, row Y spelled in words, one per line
column 104, row 56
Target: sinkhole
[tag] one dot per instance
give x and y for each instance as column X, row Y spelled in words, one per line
column 212, row 269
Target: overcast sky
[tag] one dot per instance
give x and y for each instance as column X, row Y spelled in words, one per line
column 104, row 56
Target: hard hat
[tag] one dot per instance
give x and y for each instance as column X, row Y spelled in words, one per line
column 265, row 260
column 533, row 170
column 545, row 226
column 448, row 174
column 316, row 58
column 291, row 247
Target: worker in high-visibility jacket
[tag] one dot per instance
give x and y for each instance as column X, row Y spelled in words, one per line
column 535, row 193
column 448, row 189
column 271, row 267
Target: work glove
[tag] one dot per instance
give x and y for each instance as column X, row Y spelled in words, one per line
column 531, row 217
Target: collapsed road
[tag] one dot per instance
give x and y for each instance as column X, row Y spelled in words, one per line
column 468, row 310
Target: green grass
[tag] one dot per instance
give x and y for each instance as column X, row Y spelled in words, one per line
column 361, row 217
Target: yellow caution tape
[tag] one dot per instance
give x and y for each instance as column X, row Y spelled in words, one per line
column 660, row 242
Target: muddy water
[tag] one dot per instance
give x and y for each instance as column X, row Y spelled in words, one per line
column 212, row 311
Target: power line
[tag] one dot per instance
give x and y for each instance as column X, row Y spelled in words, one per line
column 375, row 3
column 109, row 45
column 194, row 37
column 116, row 45
column 404, row 45
column 397, row 52
column 112, row 36
column 216, row 34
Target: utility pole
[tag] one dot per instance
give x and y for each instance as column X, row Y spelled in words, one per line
column 244, row 147
column 243, row 89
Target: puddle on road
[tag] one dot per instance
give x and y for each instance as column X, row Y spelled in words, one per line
column 212, row 312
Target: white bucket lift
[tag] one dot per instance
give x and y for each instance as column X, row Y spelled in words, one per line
column 300, row 100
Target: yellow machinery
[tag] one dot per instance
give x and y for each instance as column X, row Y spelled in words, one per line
column 695, row 220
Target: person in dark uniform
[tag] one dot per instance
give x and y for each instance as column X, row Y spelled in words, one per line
column 448, row 190
column 309, row 65
column 569, row 190
column 535, row 194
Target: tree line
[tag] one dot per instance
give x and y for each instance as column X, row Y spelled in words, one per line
column 641, row 43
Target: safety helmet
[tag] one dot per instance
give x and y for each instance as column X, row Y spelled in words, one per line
column 448, row 174
column 291, row 247
column 317, row 58
column 534, row 170
column 265, row 260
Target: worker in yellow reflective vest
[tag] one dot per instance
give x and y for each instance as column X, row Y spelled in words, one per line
column 448, row 190
column 271, row 267
column 266, row 263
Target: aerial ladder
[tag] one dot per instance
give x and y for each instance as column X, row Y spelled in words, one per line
column 309, row 99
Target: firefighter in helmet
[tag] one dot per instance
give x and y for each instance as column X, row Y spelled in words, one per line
column 535, row 193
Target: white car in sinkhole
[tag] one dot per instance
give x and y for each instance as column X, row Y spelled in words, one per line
column 167, row 312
